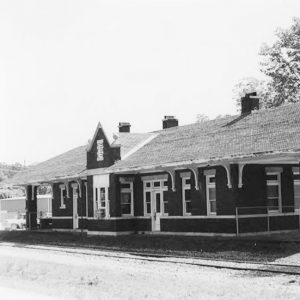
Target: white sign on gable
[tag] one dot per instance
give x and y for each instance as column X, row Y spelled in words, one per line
column 99, row 150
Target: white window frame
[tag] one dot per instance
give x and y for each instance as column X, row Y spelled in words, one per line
column 186, row 186
column 162, row 188
column 275, row 183
column 62, row 200
column 296, row 182
column 98, row 203
column 208, row 200
column 127, row 190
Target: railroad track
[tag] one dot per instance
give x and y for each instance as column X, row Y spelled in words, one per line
column 238, row 265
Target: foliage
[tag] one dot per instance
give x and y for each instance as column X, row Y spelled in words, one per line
column 9, row 170
column 280, row 62
column 250, row 84
column 201, row 118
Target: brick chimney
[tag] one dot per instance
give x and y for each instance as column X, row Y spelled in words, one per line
column 124, row 127
column 169, row 121
column 249, row 103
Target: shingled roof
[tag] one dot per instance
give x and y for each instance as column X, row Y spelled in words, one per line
column 70, row 163
column 130, row 140
column 262, row 131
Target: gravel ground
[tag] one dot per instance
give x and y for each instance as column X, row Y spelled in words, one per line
column 42, row 274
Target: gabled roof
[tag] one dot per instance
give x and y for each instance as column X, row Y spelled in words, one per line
column 70, row 163
column 73, row 163
column 262, row 131
column 131, row 141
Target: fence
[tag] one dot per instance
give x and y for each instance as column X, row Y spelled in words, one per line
column 266, row 219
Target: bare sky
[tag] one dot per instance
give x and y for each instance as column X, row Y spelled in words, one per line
column 66, row 65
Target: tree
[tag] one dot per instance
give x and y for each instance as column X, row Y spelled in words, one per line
column 280, row 62
column 250, row 84
column 200, row 118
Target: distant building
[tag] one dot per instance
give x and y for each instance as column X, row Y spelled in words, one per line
column 18, row 205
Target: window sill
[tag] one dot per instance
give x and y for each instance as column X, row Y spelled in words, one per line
column 211, row 214
column 62, row 207
column 187, row 214
column 274, row 211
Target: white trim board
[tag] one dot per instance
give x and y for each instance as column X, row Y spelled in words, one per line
column 110, row 233
column 187, row 233
column 200, row 217
column 120, row 218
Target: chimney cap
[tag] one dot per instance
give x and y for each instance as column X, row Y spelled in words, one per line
column 121, row 124
column 169, row 117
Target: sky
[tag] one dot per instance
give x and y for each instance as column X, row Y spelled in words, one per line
column 67, row 65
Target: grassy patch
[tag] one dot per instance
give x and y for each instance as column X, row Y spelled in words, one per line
column 253, row 249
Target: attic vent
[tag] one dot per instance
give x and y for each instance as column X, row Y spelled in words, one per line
column 99, row 150
column 169, row 121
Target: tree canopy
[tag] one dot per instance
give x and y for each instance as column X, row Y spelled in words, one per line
column 280, row 62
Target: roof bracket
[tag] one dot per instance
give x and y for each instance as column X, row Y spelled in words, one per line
column 227, row 168
column 172, row 175
column 66, row 183
column 194, row 169
column 241, row 168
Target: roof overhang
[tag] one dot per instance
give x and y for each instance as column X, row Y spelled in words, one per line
column 288, row 157
column 53, row 180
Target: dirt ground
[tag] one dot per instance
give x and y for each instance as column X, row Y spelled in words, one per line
column 45, row 274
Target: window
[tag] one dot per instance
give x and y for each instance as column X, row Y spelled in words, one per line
column 63, row 195
column 211, row 194
column 101, row 203
column 156, row 183
column 297, row 190
column 127, row 199
column 273, row 191
column 148, row 203
column 166, row 203
column 186, row 196
column 99, row 150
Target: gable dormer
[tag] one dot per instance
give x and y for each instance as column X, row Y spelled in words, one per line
column 100, row 153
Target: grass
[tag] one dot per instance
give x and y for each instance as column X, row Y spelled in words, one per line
column 250, row 249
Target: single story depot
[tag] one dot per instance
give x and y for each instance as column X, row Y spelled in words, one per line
column 228, row 176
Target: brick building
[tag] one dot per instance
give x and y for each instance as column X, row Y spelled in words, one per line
column 228, row 176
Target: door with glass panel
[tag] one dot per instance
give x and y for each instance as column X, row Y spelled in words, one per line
column 157, row 201
column 101, row 202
